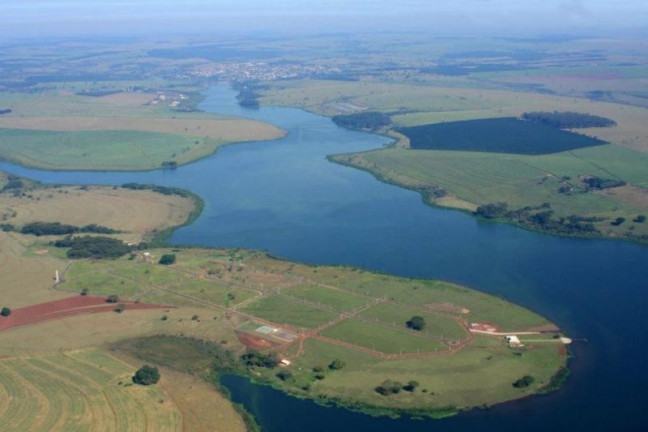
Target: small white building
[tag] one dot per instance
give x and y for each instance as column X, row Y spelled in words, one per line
column 285, row 362
column 513, row 341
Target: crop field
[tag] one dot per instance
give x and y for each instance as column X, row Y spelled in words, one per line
column 84, row 391
column 117, row 132
column 501, row 135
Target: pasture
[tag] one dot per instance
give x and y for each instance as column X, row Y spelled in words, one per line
column 124, row 131
column 138, row 213
column 378, row 337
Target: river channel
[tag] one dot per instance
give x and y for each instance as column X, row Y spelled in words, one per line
column 284, row 197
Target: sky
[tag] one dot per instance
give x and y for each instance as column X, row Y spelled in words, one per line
column 42, row 18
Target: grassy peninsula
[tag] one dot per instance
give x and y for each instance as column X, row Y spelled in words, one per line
column 341, row 335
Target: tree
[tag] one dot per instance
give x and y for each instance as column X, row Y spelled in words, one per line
column 5, row 312
column 411, row 386
column 121, row 307
column 85, row 291
column 416, row 323
column 337, row 364
column 167, row 259
column 389, row 387
column 525, row 381
column 146, row 375
column 112, row 298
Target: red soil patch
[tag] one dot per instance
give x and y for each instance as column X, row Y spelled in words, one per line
column 63, row 308
column 488, row 327
column 253, row 342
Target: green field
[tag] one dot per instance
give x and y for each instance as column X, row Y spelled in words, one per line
column 438, row 324
column 81, row 391
column 142, row 281
column 57, row 130
column 478, row 178
column 384, row 339
column 284, row 311
column 100, row 150
column 339, row 300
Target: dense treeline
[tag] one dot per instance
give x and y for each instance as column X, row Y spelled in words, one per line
column 540, row 218
column 599, row 183
column 498, row 135
column 164, row 190
column 371, row 120
column 567, row 119
column 57, row 228
column 93, row 247
column 13, row 182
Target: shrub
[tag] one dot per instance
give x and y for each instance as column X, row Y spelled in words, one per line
column 337, row 364
column 5, row 312
column 523, row 382
column 284, row 375
column 146, row 375
column 416, row 323
column 389, row 387
column 411, row 386
column 167, row 259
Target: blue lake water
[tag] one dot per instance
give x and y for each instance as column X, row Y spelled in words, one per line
column 284, row 197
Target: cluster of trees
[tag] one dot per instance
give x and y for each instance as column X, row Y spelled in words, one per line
column 248, row 96
column 170, row 164
column 369, row 120
column 257, row 359
column 13, row 182
column 146, row 375
column 57, row 228
column 540, row 217
column 167, row 259
column 416, row 323
column 523, row 382
column 600, row 183
column 164, row 190
column 93, row 247
column 567, row 119
column 389, row 387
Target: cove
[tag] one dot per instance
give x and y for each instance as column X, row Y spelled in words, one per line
column 284, row 197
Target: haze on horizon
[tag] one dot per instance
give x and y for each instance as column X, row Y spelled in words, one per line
column 53, row 18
